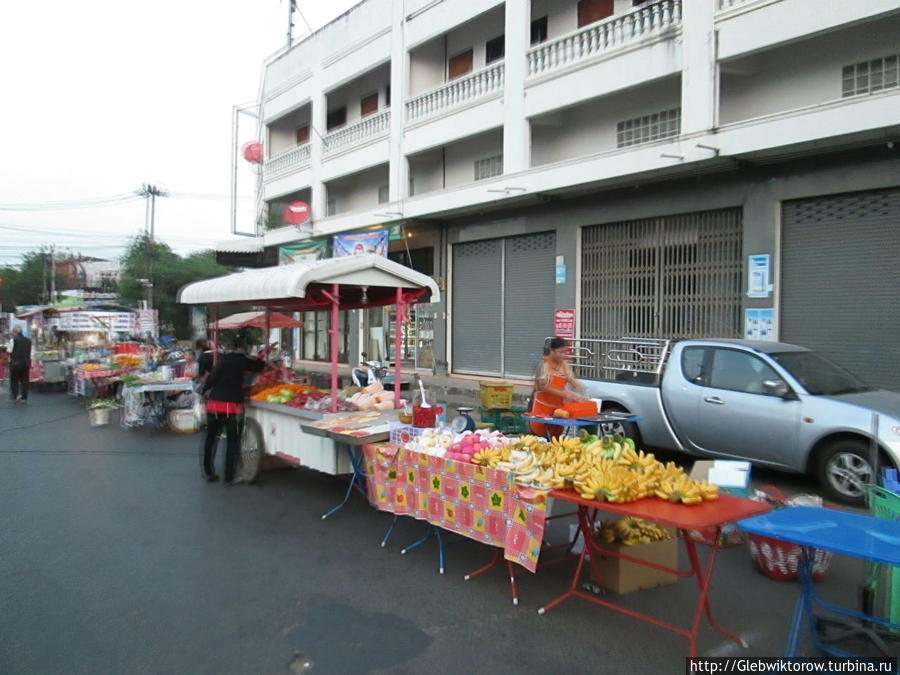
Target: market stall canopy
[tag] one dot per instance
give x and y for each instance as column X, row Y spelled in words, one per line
column 364, row 280
column 255, row 320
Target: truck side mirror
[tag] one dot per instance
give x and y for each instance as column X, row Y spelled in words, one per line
column 778, row 388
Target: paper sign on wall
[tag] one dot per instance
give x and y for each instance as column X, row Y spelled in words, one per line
column 758, row 276
column 564, row 323
column 759, row 324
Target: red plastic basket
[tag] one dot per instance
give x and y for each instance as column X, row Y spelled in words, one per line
column 778, row 559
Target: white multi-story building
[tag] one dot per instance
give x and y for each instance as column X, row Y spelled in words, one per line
column 660, row 167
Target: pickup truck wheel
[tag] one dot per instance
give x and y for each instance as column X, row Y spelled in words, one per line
column 843, row 469
column 627, row 429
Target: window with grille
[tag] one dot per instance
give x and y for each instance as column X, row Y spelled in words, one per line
column 648, row 128
column 868, row 77
column 494, row 49
column 488, row 167
column 383, row 194
column 539, row 31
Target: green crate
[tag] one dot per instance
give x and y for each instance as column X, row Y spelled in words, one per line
column 885, row 504
column 507, row 421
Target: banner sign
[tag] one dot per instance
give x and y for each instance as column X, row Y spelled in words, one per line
column 148, row 322
column 105, row 322
column 564, row 323
column 306, row 251
column 360, row 243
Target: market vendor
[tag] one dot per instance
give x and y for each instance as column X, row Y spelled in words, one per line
column 554, row 384
column 224, row 390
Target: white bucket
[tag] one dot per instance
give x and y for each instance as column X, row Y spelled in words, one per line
column 166, row 372
column 98, row 417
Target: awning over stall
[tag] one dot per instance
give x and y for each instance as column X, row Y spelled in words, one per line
column 255, row 320
column 364, row 281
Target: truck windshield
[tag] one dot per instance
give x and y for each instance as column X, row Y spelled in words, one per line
column 818, row 375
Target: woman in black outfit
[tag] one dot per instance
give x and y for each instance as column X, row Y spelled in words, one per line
column 224, row 390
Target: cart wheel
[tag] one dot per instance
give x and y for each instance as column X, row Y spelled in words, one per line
column 252, row 449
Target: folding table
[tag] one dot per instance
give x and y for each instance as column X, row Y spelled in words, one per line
column 713, row 514
column 852, row 534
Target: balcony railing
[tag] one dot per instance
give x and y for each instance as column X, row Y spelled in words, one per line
column 617, row 31
column 731, row 4
column 365, row 130
column 288, row 161
column 458, row 92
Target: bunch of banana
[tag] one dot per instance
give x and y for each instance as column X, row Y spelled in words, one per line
column 640, row 462
column 632, row 531
column 541, row 478
column 488, row 457
column 616, row 484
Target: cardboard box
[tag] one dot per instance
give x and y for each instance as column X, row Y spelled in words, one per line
column 624, row 576
column 730, row 475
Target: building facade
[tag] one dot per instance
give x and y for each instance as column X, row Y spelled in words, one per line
column 676, row 168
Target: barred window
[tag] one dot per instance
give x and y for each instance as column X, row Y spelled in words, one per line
column 488, row 167
column 868, row 77
column 648, row 128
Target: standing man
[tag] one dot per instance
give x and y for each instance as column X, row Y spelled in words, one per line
column 19, row 365
column 224, row 407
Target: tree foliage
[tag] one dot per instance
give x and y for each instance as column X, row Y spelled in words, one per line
column 156, row 263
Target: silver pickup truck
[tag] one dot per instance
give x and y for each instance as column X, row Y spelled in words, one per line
column 772, row 403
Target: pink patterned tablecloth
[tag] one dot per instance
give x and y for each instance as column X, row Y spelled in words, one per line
column 477, row 502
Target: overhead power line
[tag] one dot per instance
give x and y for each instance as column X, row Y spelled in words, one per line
column 72, row 204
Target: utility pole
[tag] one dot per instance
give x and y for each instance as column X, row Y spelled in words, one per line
column 52, row 274
column 150, row 193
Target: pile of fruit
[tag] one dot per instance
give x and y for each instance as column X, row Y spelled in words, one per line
column 292, row 395
column 129, row 360
column 605, row 469
column 631, row 531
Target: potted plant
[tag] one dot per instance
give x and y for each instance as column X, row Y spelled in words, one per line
column 99, row 411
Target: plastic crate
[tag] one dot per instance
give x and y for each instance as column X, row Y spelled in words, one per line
column 885, row 504
column 508, row 421
column 496, row 395
column 401, row 434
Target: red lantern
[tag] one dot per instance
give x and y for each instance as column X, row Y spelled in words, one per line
column 296, row 213
column 253, row 152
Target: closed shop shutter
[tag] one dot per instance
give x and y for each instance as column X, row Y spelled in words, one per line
column 839, row 280
column 477, row 306
column 503, row 301
column 674, row 276
column 529, row 301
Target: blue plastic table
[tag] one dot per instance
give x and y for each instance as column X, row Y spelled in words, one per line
column 859, row 536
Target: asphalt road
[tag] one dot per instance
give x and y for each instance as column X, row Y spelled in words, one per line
column 117, row 558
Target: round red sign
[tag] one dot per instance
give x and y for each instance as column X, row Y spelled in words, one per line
column 296, row 213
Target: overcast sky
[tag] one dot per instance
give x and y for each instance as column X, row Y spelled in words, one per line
column 100, row 96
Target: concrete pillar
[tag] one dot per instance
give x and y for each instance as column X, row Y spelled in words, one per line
column 699, row 75
column 516, row 130
column 398, row 183
column 318, row 117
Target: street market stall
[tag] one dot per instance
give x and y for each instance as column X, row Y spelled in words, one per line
column 295, row 434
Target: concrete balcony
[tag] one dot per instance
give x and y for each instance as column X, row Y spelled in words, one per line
column 286, row 162
column 748, row 26
column 367, row 130
column 598, row 40
column 464, row 91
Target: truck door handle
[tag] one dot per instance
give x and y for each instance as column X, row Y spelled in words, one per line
column 714, row 399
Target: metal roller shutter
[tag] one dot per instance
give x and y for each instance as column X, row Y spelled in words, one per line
column 477, row 307
column 839, row 280
column 529, row 301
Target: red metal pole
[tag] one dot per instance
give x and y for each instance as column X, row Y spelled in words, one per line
column 399, row 318
column 268, row 329
column 333, row 331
